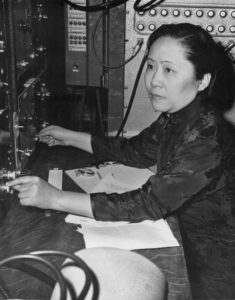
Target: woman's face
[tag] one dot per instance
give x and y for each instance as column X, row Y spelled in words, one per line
column 170, row 78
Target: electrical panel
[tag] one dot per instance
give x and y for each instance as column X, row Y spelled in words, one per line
column 82, row 67
column 23, row 81
column 216, row 16
column 76, row 44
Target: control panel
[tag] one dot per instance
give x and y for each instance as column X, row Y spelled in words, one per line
column 218, row 20
column 215, row 16
column 76, row 44
column 82, row 67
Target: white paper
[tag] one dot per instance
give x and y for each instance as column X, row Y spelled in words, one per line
column 118, row 179
column 55, row 178
column 115, row 178
column 109, row 184
column 143, row 235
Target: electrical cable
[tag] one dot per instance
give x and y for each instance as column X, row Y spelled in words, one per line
column 89, row 274
column 51, row 266
column 113, row 3
column 147, row 6
column 97, row 7
column 135, row 51
column 32, row 271
column 90, row 277
column 132, row 95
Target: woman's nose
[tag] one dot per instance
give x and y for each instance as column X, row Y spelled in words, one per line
column 156, row 78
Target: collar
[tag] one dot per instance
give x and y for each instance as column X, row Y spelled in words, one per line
column 188, row 112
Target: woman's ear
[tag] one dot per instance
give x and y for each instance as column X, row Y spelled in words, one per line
column 204, row 82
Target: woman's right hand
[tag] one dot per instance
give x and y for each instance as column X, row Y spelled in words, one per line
column 55, row 135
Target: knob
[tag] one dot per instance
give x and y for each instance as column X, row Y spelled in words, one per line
column 22, row 64
column 187, row 13
column 221, row 28
column 36, row 138
column 5, row 188
column 75, row 68
column 211, row 13
column 152, row 27
column 209, row 28
column 25, row 152
column 164, row 12
column 44, row 124
column 223, row 13
column 33, row 55
column 199, row 13
column 5, row 174
column 232, row 29
column 152, row 12
column 2, row 46
column 140, row 27
column 18, row 126
column 41, row 48
column 176, row 12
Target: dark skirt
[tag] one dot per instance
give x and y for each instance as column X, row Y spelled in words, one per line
column 208, row 235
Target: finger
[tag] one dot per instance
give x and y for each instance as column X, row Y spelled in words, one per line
column 44, row 139
column 21, row 180
column 22, row 187
column 47, row 130
column 52, row 143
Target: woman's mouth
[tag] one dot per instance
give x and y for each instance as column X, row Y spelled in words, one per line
column 156, row 97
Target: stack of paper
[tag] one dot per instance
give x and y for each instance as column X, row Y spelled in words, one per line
column 143, row 235
column 118, row 179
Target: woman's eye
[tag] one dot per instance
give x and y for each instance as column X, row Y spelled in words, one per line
column 149, row 66
column 168, row 70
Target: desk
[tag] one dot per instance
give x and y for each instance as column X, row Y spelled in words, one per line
column 29, row 229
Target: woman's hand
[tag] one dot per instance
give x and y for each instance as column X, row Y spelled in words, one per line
column 55, row 135
column 34, row 191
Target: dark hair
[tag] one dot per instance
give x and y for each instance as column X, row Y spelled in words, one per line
column 207, row 56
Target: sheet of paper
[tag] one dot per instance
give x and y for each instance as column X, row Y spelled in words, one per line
column 123, row 178
column 143, row 235
column 55, row 178
column 118, row 178
column 109, row 184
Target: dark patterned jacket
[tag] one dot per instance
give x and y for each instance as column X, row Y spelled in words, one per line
column 195, row 180
column 194, row 153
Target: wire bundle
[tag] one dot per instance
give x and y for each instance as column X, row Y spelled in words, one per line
column 18, row 262
column 112, row 3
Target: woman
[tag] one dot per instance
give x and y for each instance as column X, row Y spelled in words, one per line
column 189, row 80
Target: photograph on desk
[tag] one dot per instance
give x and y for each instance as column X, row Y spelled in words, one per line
column 117, row 134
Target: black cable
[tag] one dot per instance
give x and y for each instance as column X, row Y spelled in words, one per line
column 89, row 274
column 64, row 284
column 51, row 266
column 139, row 46
column 132, row 95
column 32, row 271
column 113, row 3
column 97, row 7
column 147, row 6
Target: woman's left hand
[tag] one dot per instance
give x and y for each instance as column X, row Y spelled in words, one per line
column 34, row 191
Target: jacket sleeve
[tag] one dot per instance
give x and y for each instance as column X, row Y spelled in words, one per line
column 139, row 151
column 190, row 168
